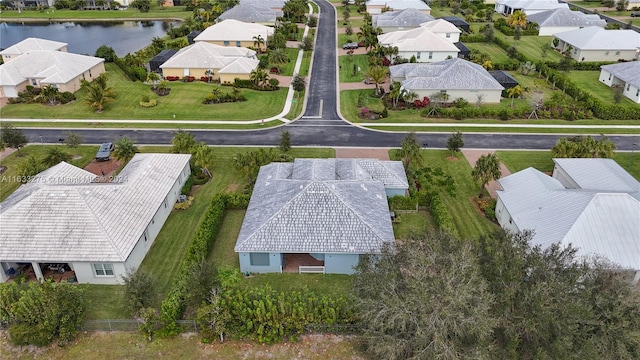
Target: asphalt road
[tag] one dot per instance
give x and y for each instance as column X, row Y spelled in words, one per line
column 321, row 124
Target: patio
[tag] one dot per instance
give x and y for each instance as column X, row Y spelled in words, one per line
column 292, row 262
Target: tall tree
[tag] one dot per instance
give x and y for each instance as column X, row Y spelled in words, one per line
column 517, row 19
column 424, row 299
column 183, row 142
column 378, row 75
column 140, row 291
column 278, row 56
column 98, row 93
column 409, row 151
column 28, row 168
column 285, row 142
column 12, row 137
column 583, row 147
column 487, row 168
column 258, row 42
column 125, row 149
column 514, row 92
column 54, row 156
column 203, row 157
column 72, row 139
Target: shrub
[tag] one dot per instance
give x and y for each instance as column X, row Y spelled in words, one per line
column 148, row 104
column 184, row 205
column 402, row 203
column 186, row 188
column 441, row 215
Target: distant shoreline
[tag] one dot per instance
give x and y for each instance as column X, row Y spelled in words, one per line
column 36, row 20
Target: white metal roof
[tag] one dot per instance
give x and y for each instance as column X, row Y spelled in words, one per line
column 29, row 44
column 610, row 175
column 66, row 218
column 234, row 30
column 50, row 67
column 597, row 38
column 440, row 26
column 565, row 18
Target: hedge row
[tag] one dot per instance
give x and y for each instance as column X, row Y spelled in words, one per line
column 580, row 66
column 509, row 31
column 440, row 214
column 480, row 112
column 174, row 304
column 599, row 109
column 402, row 203
column 505, row 46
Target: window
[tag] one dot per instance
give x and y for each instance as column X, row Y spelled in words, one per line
column 259, row 259
column 628, row 87
column 34, row 82
column 430, row 54
column 146, row 237
column 103, row 269
column 606, row 53
column 238, row 44
column 638, row 92
column 609, row 76
column 226, row 43
column 419, row 53
column 90, row 73
column 617, row 52
column 448, row 35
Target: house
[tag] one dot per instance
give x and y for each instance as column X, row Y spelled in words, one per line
column 625, row 75
column 40, row 68
column 422, row 43
column 592, row 204
column 504, row 78
column 97, row 230
column 380, row 6
column 400, row 20
column 458, row 22
column 455, row 78
column 251, row 13
column 232, row 32
column 559, row 20
column 192, row 36
column 443, row 28
column 267, row 4
column 597, row 44
column 318, row 215
column 161, row 58
column 529, row 7
column 203, row 59
column 29, row 44
column 631, row 4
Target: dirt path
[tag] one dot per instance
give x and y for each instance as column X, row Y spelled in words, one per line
column 7, row 151
column 369, row 153
column 473, row 155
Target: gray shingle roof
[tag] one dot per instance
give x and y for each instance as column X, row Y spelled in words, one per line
column 320, row 205
column 448, row 74
column 565, row 17
column 406, row 18
column 629, row 72
column 75, row 220
column 251, row 13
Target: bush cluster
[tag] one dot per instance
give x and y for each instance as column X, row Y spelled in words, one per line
column 174, row 304
column 248, row 84
column 440, row 214
column 402, row 203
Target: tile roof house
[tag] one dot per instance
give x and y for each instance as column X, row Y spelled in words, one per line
column 625, row 75
column 98, row 230
column 321, row 212
column 251, row 13
column 529, row 7
column 597, row 44
column 268, row 4
column 221, row 62
column 400, row 20
column 559, row 20
column 422, row 43
column 592, row 204
column 40, row 68
column 457, row 78
column 376, row 6
column 232, row 32
column 29, row 44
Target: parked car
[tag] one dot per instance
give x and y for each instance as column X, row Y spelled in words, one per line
column 349, row 46
column 635, row 14
column 104, row 153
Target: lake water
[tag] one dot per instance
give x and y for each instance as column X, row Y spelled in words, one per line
column 85, row 37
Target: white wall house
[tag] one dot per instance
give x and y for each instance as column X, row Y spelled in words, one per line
column 560, row 20
column 597, row 44
column 423, row 44
column 98, row 230
column 529, row 7
column 406, row 19
column 318, row 214
column 624, row 75
column 591, row 204
column 377, row 6
column 457, row 78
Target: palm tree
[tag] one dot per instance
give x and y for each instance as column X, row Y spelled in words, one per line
column 49, row 94
column 409, row 151
column 258, row 42
column 487, row 65
column 153, row 77
column 203, row 157
column 259, row 77
column 487, row 168
column 517, row 19
column 278, row 56
column 125, row 149
column 513, row 92
column 377, row 75
column 98, row 93
column 54, row 156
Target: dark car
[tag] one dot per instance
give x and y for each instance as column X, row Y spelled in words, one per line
column 104, row 152
column 349, row 46
column 635, row 14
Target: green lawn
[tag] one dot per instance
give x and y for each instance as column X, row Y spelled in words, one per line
column 531, row 46
column 105, row 302
column 344, row 38
column 350, row 63
column 496, row 54
column 409, row 224
column 287, row 69
column 8, row 184
column 155, row 12
column 590, row 81
column 222, row 254
column 355, row 23
column 184, row 101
